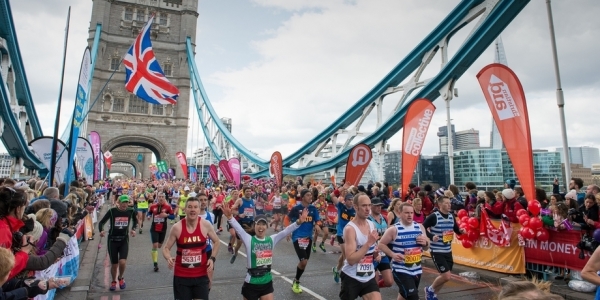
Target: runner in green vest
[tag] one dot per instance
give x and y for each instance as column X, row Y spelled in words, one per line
column 259, row 281
column 182, row 199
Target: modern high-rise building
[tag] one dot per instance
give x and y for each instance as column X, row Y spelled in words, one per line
column 434, row 169
column 391, row 166
column 467, row 139
column 500, row 58
column 585, row 156
column 6, row 162
column 443, row 136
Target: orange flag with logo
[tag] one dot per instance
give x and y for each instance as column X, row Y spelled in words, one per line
column 416, row 124
column 506, row 99
column 276, row 167
column 357, row 163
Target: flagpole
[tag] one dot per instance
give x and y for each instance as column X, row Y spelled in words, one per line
column 56, row 123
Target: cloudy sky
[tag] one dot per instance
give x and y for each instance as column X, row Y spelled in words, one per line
column 284, row 70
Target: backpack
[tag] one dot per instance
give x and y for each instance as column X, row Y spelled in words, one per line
column 521, row 201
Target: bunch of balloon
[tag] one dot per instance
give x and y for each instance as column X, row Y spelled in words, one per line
column 533, row 228
column 471, row 227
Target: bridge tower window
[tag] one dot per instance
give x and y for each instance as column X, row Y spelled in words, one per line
column 137, row 105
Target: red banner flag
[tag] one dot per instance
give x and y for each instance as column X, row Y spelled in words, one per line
column 416, row 124
column 276, row 167
column 183, row 162
column 214, row 173
column 358, row 161
column 224, row 166
column 506, row 99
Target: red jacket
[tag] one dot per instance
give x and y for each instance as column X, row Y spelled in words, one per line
column 497, row 209
column 8, row 225
column 511, row 207
column 427, row 206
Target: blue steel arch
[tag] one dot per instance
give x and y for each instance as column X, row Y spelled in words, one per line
column 497, row 20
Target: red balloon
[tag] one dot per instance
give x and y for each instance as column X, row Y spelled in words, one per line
column 528, row 233
column 521, row 212
column 467, row 244
column 524, row 220
column 542, row 235
column 472, row 235
column 473, row 222
column 464, row 226
column 462, row 213
column 535, row 223
column 534, row 207
column 464, row 220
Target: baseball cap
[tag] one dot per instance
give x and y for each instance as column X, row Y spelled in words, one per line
column 186, row 188
column 124, row 198
column 349, row 196
column 376, row 201
column 260, row 218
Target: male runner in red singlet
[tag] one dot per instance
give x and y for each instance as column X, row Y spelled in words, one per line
column 193, row 262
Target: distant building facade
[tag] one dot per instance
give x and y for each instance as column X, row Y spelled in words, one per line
column 467, row 139
column 6, row 162
column 585, row 156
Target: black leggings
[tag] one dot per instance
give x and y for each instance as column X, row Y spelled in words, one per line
column 218, row 217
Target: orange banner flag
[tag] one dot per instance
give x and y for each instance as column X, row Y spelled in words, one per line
column 416, row 124
column 506, row 99
column 357, row 163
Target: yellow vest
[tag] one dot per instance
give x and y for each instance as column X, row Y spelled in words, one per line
column 182, row 200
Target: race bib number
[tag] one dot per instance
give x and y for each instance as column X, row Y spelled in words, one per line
column 191, row 258
column 303, row 243
column 448, row 236
column 158, row 219
column 121, row 222
column 264, row 258
column 248, row 212
column 412, row 256
column 365, row 266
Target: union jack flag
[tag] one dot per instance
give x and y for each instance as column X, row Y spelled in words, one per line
column 143, row 75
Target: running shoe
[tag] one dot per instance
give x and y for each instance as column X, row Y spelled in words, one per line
column 140, row 231
column 218, row 233
column 122, row 284
column 332, row 240
column 322, row 246
column 232, row 260
column 430, row 294
column 155, row 267
column 336, row 274
column 230, row 248
column 314, row 248
column 113, row 286
column 296, row 287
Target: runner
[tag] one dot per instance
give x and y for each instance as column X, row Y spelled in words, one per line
column 441, row 226
column 322, row 224
column 174, row 197
column 277, row 209
column 159, row 213
column 358, row 272
column 118, row 238
column 346, row 213
column 245, row 208
column 382, row 263
column 181, row 203
column 259, row 281
column 302, row 237
column 408, row 240
column 142, row 209
column 217, row 209
column 192, row 262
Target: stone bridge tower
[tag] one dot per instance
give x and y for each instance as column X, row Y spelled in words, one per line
column 129, row 126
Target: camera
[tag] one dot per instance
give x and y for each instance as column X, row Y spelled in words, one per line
column 17, row 237
column 587, row 243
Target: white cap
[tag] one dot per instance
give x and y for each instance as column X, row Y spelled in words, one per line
column 186, row 188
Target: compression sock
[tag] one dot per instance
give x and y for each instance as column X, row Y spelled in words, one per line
column 154, row 256
column 299, row 273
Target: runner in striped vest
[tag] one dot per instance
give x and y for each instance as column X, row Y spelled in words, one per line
column 408, row 240
column 441, row 227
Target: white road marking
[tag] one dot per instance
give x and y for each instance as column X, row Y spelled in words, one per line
column 304, row 289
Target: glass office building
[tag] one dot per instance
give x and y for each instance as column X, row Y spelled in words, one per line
column 489, row 168
column 481, row 166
